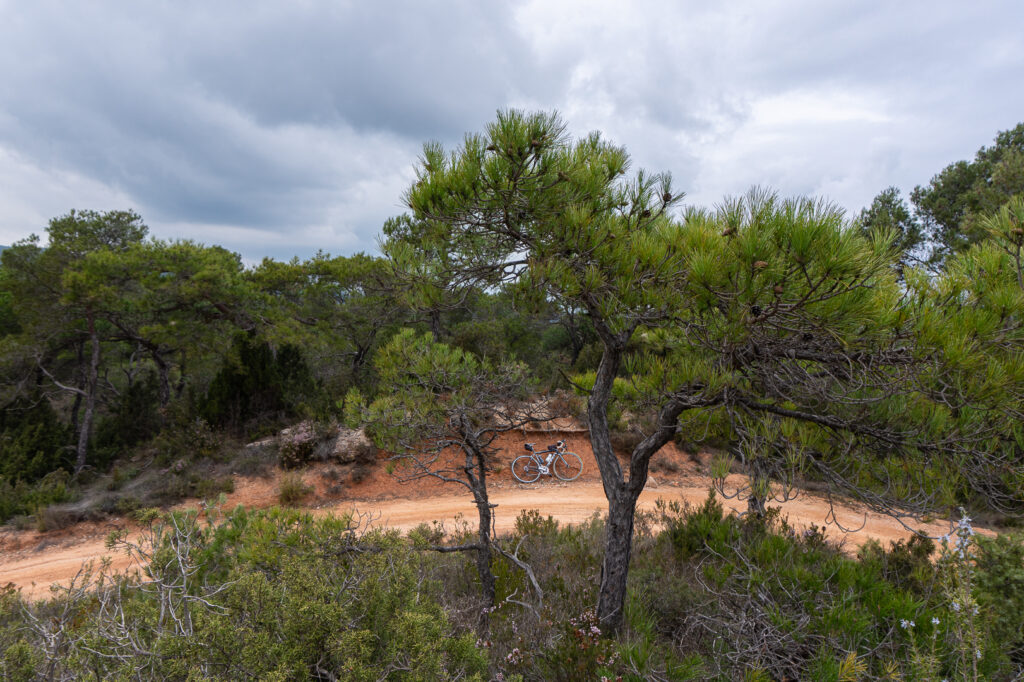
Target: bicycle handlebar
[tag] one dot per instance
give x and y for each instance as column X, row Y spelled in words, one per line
column 560, row 445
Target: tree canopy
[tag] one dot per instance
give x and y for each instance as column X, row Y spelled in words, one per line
column 771, row 314
column 953, row 206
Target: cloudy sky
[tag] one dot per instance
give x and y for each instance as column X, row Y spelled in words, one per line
column 280, row 128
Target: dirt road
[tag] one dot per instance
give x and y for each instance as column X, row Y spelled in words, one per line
column 32, row 561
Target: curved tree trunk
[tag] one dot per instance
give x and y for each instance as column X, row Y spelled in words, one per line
column 622, row 493
column 619, row 529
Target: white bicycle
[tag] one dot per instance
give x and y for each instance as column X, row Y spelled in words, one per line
column 566, row 466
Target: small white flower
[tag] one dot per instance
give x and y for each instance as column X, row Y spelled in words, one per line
column 977, row 654
column 935, row 621
column 906, row 624
column 956, row 607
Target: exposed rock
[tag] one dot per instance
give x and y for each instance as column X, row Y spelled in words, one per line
column 353, row 447
column 296, row 445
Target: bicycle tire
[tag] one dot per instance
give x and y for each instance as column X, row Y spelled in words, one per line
column 568, row 466
column 525, row 469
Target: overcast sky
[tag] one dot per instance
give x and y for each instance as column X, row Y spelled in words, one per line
column 280, row 128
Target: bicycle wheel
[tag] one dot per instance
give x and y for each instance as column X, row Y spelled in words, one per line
column 568, row 466
column 525, row 469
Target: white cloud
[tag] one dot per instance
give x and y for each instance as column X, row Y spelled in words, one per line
column 31, row 195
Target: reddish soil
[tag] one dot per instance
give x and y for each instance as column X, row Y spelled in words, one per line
column 33, row 561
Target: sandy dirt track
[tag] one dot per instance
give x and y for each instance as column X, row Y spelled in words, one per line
column 33, row 562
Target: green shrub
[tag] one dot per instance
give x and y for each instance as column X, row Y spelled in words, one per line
column 272, row 595
column 25, row 498
column 33, row 441
column 292, row 489
column 712, row 596
column 1000, row 589
column 258, row 384
column 54, row 518
column 209, row 488
column 186, row 440
column 579, row 653
column 134, row 418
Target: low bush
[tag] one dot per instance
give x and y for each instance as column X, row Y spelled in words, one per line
column 22, row 498
column 210, row 488
column 292, row 489
column 186, row 439
column 54, row 518
column 712, row 596
column 270, row 595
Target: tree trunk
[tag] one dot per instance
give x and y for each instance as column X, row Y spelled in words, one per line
column 618, row 537
column 359, row 360
column 483, row 564
column 76, row 407
column 622, row 494
column 478, row 484
column 91, row 382
column 164, row 372
column 618, row 546
column 179, row 388
column 435, row 324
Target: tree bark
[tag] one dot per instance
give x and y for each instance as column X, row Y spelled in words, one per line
column 483, row 566
column 179, row 388
column 164, row 372
column 435, row 324
column 618, row 547
column 619, row 529
column 76, row 407
column 91, row 382
column 622, row 494
column 478, row 484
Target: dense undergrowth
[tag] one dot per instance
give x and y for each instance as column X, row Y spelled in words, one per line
column 279, row 595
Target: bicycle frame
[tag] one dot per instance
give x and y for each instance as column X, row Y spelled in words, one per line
column 556, row 460
column 544, row 463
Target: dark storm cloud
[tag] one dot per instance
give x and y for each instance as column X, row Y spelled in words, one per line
column 249, row 114
column 415, row 69
column 278, row 128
